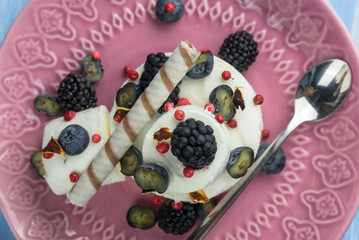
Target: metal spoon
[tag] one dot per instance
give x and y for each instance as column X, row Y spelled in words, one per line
column 319, row 94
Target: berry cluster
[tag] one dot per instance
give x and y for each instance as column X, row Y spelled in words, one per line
column 177, row 221
column 76, row 93
column 153, row 64
column 240, row 50
column 193, row 143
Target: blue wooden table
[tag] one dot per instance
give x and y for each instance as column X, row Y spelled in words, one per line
column 348, row 10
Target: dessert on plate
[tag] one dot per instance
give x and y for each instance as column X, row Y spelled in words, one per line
column 206, row 122
column 185, row 126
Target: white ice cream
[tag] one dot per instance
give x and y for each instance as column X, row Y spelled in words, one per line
column 215, row 179
column 95, row 121
column 203, row 177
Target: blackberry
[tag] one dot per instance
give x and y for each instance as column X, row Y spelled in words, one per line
column 173, row 98
column 153, row 64
column 193, row 143
column 76, row 93
column 174, row 221
column 240, row 50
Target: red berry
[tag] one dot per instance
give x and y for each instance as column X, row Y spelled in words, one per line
column 74, row 177
column 162, row 147
column 258, row 99
column 226, row 75
column 179, row 115
column 232, row 123
column 47, row 155
column 183, row 102
column 169, row 7
column 176, row 205
column 96, row 55
column 169, row 106
column 133, row 74
column 158, row 199
column 188, row 172
column 96, row 138
column 219, row 118
column 127, row 69
column 118, row 117
column 265, row 133
column 209, row 107
column 69, row 115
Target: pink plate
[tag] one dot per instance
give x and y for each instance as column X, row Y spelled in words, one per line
column 315, row 197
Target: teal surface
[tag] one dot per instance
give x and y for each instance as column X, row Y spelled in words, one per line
column 348, row 10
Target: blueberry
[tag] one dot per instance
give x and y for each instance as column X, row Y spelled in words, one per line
column 130, row 161
column 276, row 163
column 36, row 162
column 47, row 103
column 127, row 95
column 152, row 177
column 202, row 67
column 221, row 97
column 92, row 69
column 141, row 217
column 216, row 104
column 74, row 139
column 240, row 160
column 167, row 16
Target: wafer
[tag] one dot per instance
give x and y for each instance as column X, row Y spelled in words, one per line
column 182, row 58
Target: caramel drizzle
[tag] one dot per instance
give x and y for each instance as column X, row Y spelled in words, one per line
column 129, row 130
column 147, row 104
column 166, row 79
column 96, row 183
column 111, row 154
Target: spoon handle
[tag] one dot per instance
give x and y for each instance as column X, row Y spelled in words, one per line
column 214, row 216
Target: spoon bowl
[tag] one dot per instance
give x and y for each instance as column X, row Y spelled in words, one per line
column 319, row 94
column 322, row 90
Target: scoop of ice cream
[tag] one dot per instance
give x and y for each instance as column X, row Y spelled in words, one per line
column 197, row 92
column 202, row 177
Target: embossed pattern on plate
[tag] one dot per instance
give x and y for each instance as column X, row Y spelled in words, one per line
column 315, row 196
